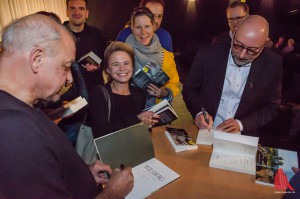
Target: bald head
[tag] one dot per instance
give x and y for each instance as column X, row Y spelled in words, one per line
column 255, row 30
column 31, row 31
column 249, row 40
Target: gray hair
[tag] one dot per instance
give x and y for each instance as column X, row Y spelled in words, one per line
column 32, row 31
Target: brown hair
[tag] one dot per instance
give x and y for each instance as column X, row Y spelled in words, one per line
column 239, row 4
column 141, row 11
column 86, row 3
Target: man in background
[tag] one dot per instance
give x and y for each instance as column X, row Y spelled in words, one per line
column 37, row 160
column 236, row 12
column 157, row 9
column 88, row 39
column 238, row 82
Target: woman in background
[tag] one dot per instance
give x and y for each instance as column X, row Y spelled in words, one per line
column 127, row 102
column 147, row 48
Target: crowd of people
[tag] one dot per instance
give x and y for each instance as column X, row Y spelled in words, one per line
column 237, row 80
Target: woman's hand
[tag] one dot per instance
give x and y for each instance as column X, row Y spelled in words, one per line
column 157, row 92
column 148, row 117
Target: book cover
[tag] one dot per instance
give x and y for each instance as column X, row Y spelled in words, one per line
column 180, row 139
column 150, row 74
column 165, row 111
column 234, row 152
column 133, row 147
column 270, row 160
column 68, row 108
column 90, row 58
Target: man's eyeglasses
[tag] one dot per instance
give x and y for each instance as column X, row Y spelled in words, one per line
column 236, row 19
column 249, row 51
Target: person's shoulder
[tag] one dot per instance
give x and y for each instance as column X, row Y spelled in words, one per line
column 91, row 28
column 163, row 32
column 270, row 55
column 123, row 34
column 222, row 37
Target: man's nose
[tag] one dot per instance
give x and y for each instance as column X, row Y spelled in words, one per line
column 243, row 53
column 69, row 77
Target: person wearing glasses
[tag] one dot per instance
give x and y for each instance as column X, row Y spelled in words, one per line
column 237, row 82
column 236, row 12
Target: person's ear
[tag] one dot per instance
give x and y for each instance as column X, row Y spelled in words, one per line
column 107, row 71
column 36, row 59
column 87, row 14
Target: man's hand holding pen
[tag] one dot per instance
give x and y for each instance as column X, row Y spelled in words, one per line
column 203, row 120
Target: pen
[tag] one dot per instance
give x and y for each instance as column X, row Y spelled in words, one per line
column 122, row 167
column 205, row 117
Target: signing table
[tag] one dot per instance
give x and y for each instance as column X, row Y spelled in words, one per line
column 197, row 179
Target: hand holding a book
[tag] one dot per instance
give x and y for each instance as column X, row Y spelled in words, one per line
column 91, row 68
column 157, row 92
column 229, row 126
column 148, row 117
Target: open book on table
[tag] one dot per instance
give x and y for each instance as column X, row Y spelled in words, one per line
column 165, row 111
column 90, row 58
column 150, row 74
column 68, row 109
column 234, row 152
column 269, row 160
column 133, row 147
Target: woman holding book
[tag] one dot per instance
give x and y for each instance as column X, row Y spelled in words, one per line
column 127, row 102
column 147, row 49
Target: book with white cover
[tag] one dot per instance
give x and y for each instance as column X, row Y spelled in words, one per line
column 234, row 152
column 149, row 177
column 180, row 139
column 133, row 147
column 90, row 58
column 68, row 108
column 205, row 137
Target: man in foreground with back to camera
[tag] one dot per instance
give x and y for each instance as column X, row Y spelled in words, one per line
column 238, row 83
column 36, row 159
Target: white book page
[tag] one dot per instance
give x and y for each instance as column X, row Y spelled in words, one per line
column 149, row 177
column 233, row 162
column 243, row 139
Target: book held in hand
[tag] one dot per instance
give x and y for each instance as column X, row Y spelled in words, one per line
column 165, row 111
column 180, row 139
column 68, row 108
column 90, row 58
column 270, row 160
column 150, row 74
column 234, row 152
column 133, row 147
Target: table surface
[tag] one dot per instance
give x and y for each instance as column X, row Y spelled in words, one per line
column 197, row 179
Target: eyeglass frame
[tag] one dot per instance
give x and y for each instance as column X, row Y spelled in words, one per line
column 241, row 47
column 237, row 19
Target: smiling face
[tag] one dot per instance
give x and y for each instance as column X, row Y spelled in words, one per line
column 143, row 29
column 77, row 12
column 120, row 67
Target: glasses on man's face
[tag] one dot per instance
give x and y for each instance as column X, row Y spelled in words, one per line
column 249, row 51
column 236, row 19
